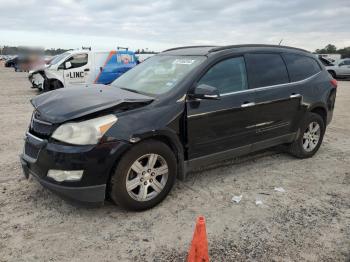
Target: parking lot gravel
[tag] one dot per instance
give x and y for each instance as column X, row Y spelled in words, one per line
column 310, row 221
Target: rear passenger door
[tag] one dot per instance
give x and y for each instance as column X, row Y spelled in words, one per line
column 277, row 103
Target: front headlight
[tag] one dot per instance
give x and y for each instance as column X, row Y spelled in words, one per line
column 86, row 132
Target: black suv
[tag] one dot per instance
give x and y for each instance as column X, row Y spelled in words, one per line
column 183, row 108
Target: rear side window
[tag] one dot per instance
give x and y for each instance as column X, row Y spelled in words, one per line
column 300, row 67
column 266, row 70
column 227, row 76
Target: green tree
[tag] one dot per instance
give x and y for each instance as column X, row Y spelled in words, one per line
column 331, row 49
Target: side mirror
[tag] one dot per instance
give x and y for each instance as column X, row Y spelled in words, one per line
column 206, row 92
column 67, row 65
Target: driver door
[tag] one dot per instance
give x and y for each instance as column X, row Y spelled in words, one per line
column 76, row 70
column 219, row 126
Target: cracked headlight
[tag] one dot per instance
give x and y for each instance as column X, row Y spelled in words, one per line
column 86, row 132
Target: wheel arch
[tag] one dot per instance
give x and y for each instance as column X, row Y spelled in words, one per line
column 165, row 136
column 171, row 140
column 55, row 80
column 321, row 111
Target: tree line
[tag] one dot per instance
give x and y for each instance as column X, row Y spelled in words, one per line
column 15, row 50
column 332, row 49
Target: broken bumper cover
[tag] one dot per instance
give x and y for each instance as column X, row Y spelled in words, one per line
column 86, row 195
column 36, row 80
column 96, row 161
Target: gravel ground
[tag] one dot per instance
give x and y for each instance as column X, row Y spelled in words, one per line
column 308, row 222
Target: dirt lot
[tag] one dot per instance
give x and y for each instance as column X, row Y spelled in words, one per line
column 309, row 222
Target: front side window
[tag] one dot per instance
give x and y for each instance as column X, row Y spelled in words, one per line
column 301, row 67
column 78, row 60
column 266, row 70
column 227, row 76
column 158, row 74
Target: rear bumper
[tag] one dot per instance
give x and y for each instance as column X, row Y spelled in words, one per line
column 331, row 105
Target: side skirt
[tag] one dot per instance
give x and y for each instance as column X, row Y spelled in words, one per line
column 239, row 151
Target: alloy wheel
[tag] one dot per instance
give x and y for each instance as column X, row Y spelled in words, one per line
column 147, row 177
column 311, row 136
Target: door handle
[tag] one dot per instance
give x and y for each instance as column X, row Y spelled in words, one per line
column 294, row 95
column 248, row 104
column 86, row 69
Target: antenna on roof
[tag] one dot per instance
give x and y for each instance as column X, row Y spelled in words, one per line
column 280, row 42
column 120, row 47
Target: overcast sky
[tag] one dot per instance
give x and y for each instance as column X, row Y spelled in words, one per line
column 160, row 24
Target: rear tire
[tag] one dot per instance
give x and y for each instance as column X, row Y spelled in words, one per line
column 144, row 176
column 310, row 137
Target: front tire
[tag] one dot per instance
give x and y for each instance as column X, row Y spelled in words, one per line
column 50, row 85
column 144, row 176
column 310, row 138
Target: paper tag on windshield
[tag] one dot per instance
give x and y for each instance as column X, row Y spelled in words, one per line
column 183, row 61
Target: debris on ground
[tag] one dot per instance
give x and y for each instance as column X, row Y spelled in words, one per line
column 236, row 199
column 280, row 189
column 258, row 202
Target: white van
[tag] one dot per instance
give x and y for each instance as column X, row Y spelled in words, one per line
column 82, row 67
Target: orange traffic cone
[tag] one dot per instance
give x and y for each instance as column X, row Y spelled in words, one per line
column 199, row 246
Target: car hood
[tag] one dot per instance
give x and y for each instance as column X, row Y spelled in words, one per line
column 69, row 103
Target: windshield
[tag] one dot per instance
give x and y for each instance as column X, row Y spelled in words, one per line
column 158, row 75
column 59, row 58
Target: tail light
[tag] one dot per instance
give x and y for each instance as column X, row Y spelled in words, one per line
column 334, row 83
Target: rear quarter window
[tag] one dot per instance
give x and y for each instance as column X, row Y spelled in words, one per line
column 266, row 70
column 300, row 67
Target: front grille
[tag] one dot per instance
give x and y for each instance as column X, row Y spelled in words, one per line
column 41, row 128
column 31, row 151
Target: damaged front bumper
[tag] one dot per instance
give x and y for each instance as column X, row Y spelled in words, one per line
column 97, row 161
column 36, row 80
column 87, row 195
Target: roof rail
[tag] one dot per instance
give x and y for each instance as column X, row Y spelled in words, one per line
column 190, row 46
column 220, row 48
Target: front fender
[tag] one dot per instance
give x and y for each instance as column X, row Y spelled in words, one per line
column 165, row 123
column 55, row 74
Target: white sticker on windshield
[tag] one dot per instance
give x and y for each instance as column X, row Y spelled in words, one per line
column 183, row 61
